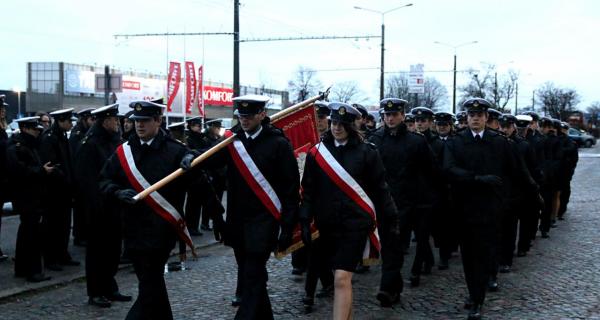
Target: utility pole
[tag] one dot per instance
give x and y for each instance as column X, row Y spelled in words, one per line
column 236, row 48
column 454, row 86
column 106, row 85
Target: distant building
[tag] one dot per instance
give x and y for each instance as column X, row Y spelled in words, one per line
column 57, row 85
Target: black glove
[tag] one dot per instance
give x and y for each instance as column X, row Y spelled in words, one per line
column 186, row 161
column 306, row 234
column 285, row 239
column 489, row 179
column 126, row 195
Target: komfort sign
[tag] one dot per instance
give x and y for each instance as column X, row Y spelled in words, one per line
column 218, row 96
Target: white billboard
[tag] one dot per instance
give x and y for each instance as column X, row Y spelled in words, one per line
column 416, row 79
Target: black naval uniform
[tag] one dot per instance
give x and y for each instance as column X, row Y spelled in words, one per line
column 406, row 157
column 571, row 157
column 104, row 216
column 3, row 177
column 26, row 176
column 79, row 215
column 553, row 155
column 57, row 224
column 250, row 229
column 149, row 239
column 480, row 169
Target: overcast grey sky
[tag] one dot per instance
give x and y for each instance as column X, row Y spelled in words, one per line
column 549, row 40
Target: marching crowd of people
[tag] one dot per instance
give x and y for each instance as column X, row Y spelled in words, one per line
column 480, row 182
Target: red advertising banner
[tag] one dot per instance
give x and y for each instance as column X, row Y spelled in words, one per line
column 173, row 83
column 218, row 96
column 200, row 91
column 190, row 86
column 131, row 85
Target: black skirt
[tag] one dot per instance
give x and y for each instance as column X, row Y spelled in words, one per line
column 344, row 247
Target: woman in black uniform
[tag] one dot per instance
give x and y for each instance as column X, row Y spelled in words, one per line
column 345, row 192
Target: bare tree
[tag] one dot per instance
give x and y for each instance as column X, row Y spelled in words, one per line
column 434, row 97
column 557, row 102
column 489, row 85
column 304, row 84
column 346, row 91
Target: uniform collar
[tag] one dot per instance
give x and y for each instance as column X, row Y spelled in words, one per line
column 255, row 134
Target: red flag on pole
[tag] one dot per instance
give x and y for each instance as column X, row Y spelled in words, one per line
column 173, row 83
column 200, row 91
column 190, row 86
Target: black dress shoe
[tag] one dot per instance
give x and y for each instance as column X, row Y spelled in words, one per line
column 545, row 235
column 427, row 269
column 492, row 286
column 325, row 292
column 236, row 301
column 101, row 302
column 38, row 277
column 468, row 303
column 3, row 257
column 54, row 267
column 360, row 269
column 504, row 269
column 443, row 264
column 474, row 312
column 71, row 263
column 387, row 299
column 297, row 271
column 521, row 253
column 415, row 280
column 195, row 233
column 561, row 218
column 117, row 296
column 205, row 228
column 308, row 301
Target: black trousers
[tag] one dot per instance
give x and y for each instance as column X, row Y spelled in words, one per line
column 444, row 229
column 509, row 235
column 548, row 195
column 28, row 254
column 565, row 196
column 152, row 301
column 392, row 257
column 420, row 222
column 102, row 260
column 193, row 207
column 318, row 268
column 300, row 258
column 477, row 246
column 80, row 222
column 252, row 270
column 56, row 225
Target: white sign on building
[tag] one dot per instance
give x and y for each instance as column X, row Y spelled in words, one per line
column 416, row 79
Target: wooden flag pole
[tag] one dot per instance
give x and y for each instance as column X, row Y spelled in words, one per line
column 164, row 181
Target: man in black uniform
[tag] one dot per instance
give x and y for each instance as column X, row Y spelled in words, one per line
column 406, row 156
column 149, row 238
column 537, row 141
column 253, row 221
column 444, row 224
column 461, row 119
column 571, row 159
column 3, row 174
column 420, row 219
column 409, row 121
column 522, row 202
column 25, row 173
column 477, row 161
column 104, row 227
column 85, row 120
column 493, row 121
column 553, row 155
column 57, row 223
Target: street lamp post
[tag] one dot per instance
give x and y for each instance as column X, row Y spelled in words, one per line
column 381, row 69
column 454, row 69
column 18, row 91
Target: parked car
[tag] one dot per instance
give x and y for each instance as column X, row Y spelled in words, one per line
column 582, row 138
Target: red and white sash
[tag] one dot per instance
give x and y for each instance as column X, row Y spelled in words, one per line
column 254, row 178
column 354, row 191
column 155, row 200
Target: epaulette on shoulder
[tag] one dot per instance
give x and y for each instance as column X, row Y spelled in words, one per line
column 417, row 133
column 371, row 145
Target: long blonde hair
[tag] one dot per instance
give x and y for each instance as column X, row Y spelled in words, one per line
column 3, row 124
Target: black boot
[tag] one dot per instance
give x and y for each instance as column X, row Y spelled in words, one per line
column 475, row 312
column 101, row 302
column 387, row 299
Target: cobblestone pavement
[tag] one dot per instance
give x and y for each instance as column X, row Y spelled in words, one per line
column 559, row 279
